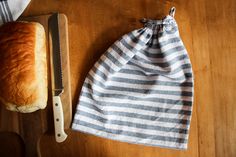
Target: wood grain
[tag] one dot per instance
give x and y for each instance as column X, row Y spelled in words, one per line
column 11, row 145
column 33, row 126
column 208, row 29
column 91, row 33
column 64, row 41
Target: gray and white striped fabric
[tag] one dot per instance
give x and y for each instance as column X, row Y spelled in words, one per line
column 10, row 10
column 141, row 89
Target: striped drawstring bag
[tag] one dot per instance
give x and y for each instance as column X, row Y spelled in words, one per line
column 141, row 89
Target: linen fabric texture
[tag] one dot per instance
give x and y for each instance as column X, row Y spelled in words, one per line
column 141, row 89
column 10, row 10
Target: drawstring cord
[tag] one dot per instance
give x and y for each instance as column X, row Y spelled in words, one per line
column 172, row 11
column 152, row 23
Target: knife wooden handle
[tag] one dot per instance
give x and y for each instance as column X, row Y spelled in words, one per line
column 60, row 134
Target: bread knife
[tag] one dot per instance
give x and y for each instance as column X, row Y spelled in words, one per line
column 56, row 77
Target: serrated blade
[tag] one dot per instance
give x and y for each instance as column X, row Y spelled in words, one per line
column 56, row 77
column 54, row 34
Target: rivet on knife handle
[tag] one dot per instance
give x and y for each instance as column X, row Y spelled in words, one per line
column 58, row 119
column 56, row 77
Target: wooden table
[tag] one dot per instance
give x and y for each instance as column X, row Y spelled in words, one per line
column 208, row 29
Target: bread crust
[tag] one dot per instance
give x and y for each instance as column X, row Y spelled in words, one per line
column 23, row 66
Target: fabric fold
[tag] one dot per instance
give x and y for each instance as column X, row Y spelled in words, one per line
column 141, row 89
column 10, row 10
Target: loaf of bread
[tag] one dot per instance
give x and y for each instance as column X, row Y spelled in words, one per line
column 23, row 66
